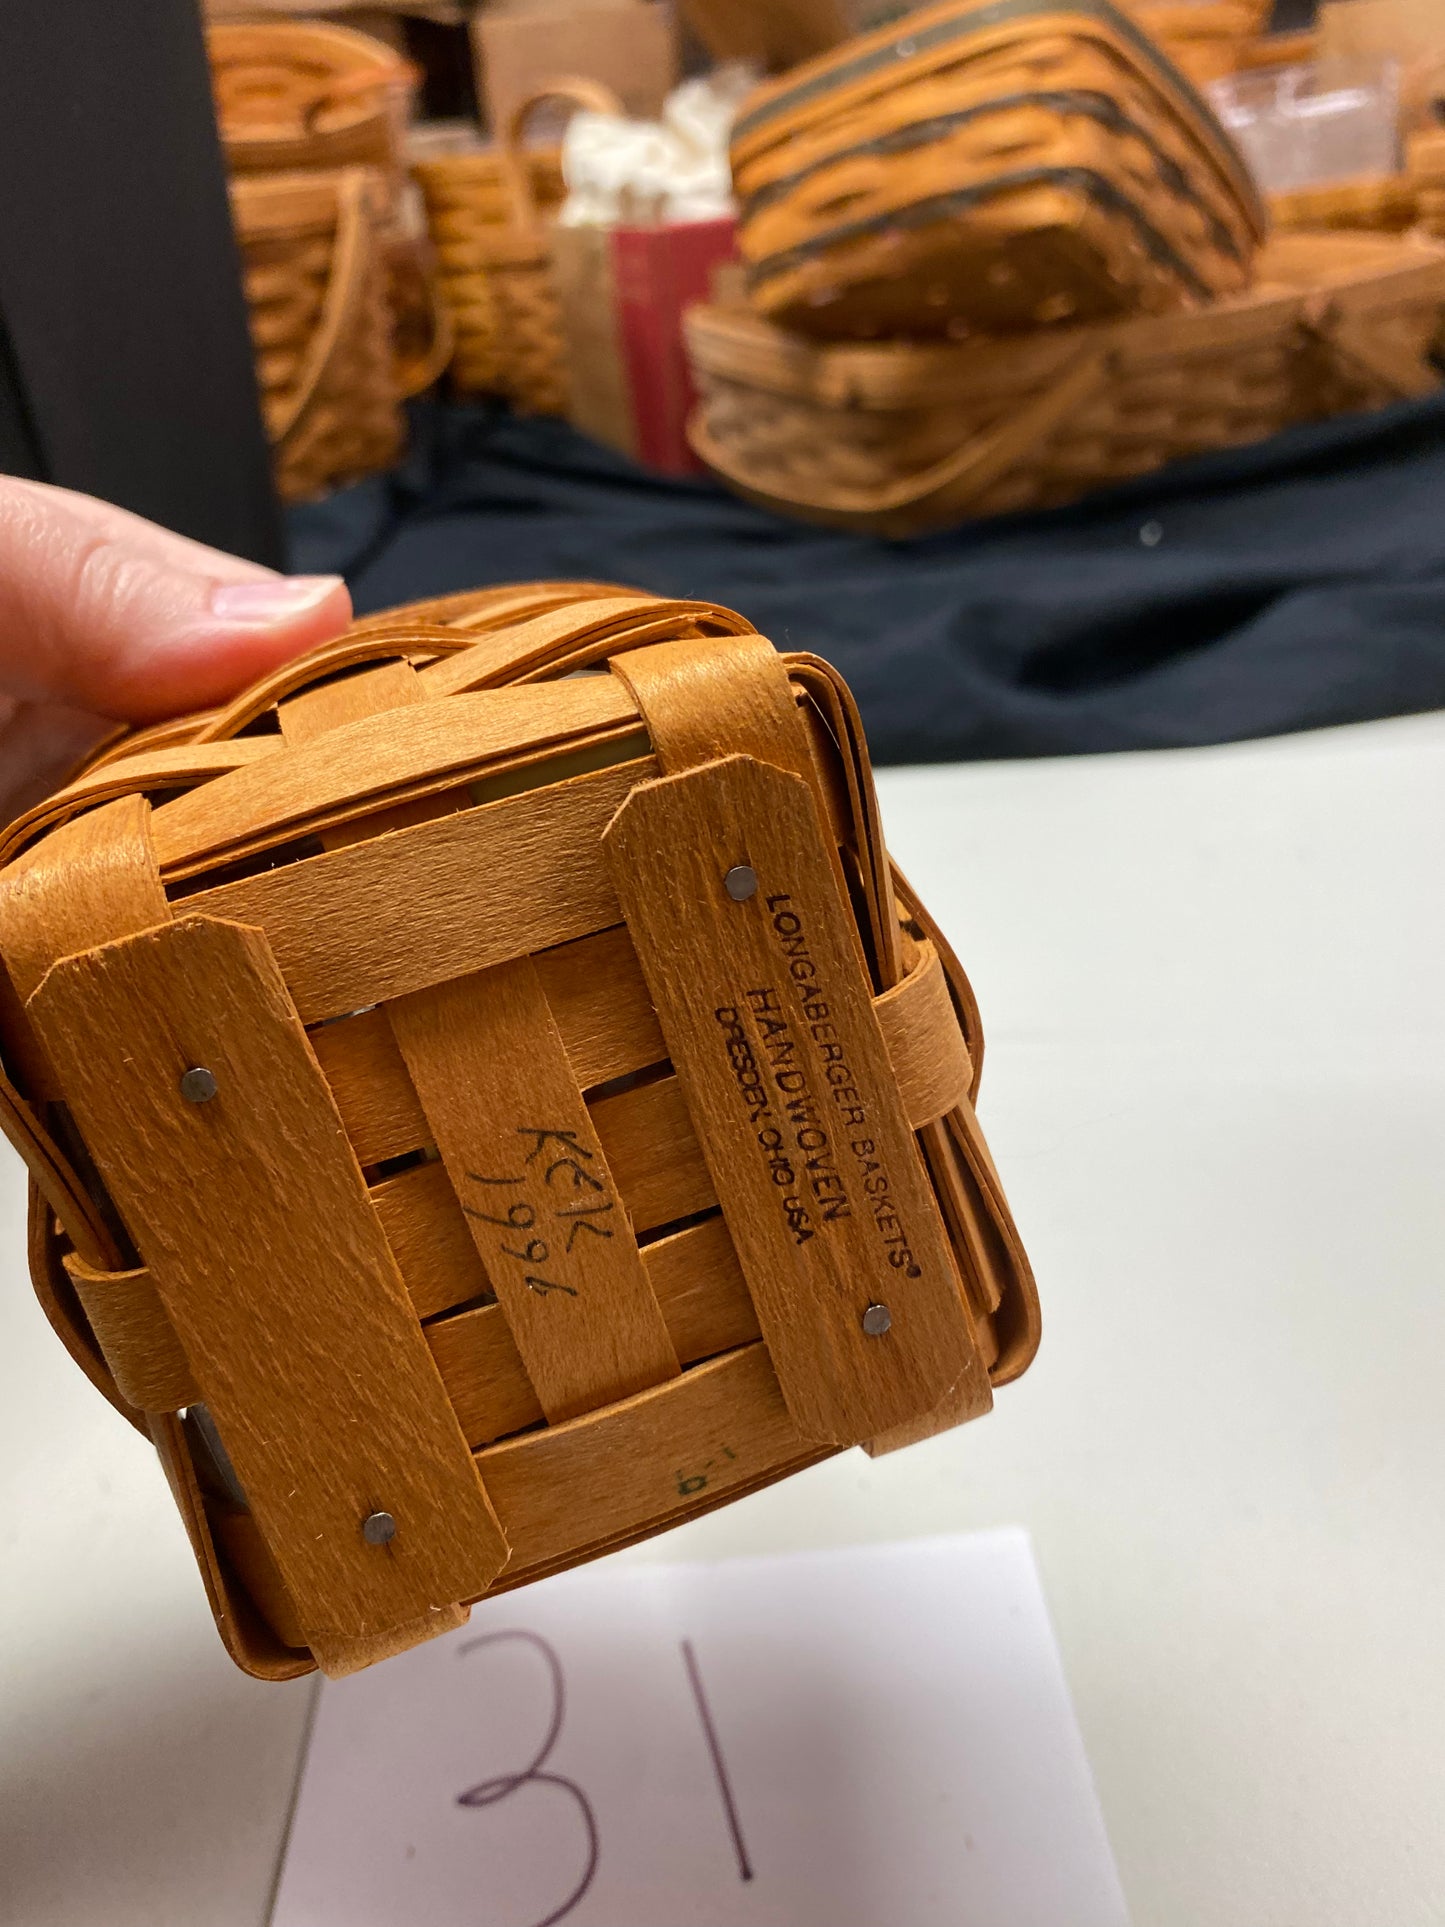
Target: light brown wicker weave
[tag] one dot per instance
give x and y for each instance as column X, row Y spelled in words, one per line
column 1383, row 203
column 297, row 95
column 507, row 1112
column 991, row 165
column 1206, row 39
column 313, row 262
column 488, row 214
column 465, row 189
column 898, row 438
column 1426, row 164
column 294, row 94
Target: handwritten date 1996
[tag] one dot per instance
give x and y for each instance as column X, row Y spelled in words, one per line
column 559, row 1183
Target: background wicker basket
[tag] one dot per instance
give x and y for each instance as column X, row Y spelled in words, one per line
column 470, row 874
column 310, row 97
column 489, row 216
column 314, row 269
column 465, row 186
column 900, row 438
column 994, row 166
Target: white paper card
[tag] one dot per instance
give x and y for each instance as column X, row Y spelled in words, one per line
column 874, row 1737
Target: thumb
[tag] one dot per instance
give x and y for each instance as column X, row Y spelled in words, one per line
column 104, row 612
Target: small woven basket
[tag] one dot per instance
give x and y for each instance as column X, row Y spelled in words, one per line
column 314, row 271
column 482, row 1114
column 301, row 96
column 990, row 166
column 898, row 439
column 489, row 217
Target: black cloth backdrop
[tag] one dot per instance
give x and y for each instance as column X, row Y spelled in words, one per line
column 1283, row 587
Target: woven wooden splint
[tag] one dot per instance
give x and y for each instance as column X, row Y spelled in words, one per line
column 469, row 211
column 896, row 439
column 489, row 214
column 481, row 1114
column 990, row 165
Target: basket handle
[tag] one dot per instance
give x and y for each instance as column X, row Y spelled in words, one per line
column 976, row 464
column 344, row 287
column 592, row 95
column 416, row 373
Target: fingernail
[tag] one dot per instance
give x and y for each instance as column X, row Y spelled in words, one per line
column 275, row 598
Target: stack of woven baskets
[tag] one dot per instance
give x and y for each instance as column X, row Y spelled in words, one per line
column 1000, row 253
column 336, row 269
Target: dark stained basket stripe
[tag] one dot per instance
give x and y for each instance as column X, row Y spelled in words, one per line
column 921, row 133
column 906, row 44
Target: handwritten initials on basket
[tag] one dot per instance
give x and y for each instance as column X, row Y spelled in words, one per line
column 565, row 1154
column 530, row 1174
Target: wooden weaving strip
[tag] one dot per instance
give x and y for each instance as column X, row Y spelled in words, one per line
column 379, row 690
column 567, row 639
column 93, row 879
column 724, row 696
column 253, row 1645
column 377, row 759
column 603, row 1010
column 772, row 1031
column 252, row 1217
column 346, row 699
column 527, row 1164
column 428, row 1236
column 647, row 1140
column 598, row 1000
column 383, row 918
column 694, row 1275
column 699, row 1288
column 924, row 1043
column 137, row 1339
column 719, row 1427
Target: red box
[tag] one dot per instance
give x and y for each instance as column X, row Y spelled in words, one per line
column 623, row 291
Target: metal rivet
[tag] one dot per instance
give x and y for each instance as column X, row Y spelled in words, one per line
column 1151, row 535
column 198, row 1085
column 741, row 882
column 379, row 1529
column 876, row 1320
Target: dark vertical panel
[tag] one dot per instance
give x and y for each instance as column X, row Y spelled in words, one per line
column 19, row 446
column 119, row 284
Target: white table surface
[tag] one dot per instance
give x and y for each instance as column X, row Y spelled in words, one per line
column 1216, row 1089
